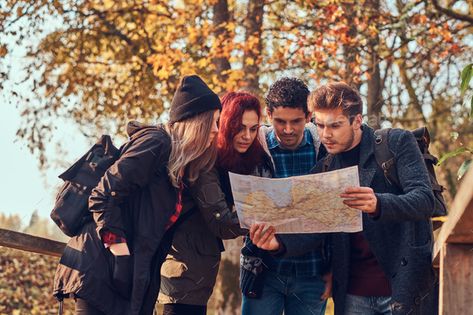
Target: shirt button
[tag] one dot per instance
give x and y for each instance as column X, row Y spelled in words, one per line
column 403, row 262
column 217, row 215
column 113, row 194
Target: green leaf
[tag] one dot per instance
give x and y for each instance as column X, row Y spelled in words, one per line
column 466, row 75
column 452, row 154
column 463, row 169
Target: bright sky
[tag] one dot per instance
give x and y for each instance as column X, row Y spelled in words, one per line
column 23, row 187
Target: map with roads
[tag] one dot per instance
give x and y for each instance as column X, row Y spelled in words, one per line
column 299, row 204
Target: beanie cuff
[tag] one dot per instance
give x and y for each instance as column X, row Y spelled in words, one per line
column 195, row 107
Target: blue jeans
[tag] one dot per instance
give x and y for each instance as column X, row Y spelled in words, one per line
column 367, row 305
column 293, row 295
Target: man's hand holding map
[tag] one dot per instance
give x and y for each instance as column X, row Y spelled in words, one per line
column 299, row 204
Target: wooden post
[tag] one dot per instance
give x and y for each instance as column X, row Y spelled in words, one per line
column 31, row 243
column 456, row 279
column 459, row 225
column 454, row 251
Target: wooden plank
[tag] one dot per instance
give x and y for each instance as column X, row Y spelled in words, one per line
column 456, row 279
column 31, row 243
column 459, row 225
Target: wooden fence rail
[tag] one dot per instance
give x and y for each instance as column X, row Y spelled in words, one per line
column 31, row 243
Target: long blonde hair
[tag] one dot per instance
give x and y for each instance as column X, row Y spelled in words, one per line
column 189, row 152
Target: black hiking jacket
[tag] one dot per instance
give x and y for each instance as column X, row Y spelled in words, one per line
column 134, row 199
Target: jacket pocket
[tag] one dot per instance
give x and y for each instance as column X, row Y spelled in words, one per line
column 120, row 273
column 122, row 276
column 420, row 234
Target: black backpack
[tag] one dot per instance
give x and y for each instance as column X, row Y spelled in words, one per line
column 385, row 160
column 71, row 209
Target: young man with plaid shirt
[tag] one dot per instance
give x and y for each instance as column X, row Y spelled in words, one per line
column 293, row 285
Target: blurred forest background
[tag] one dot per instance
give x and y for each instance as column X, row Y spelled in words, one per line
column 97, row 64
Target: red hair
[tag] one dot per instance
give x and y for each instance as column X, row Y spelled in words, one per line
column 234, row 104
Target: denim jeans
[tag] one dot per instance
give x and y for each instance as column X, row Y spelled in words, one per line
column 293, row 295
column 368, row 305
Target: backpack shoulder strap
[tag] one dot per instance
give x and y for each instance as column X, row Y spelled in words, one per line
column 384, row 157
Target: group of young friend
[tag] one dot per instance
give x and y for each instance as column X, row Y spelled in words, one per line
column 161, row 212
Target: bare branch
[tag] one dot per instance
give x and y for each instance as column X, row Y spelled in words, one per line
column 453, row 14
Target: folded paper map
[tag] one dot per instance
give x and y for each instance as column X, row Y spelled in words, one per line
column 299, row 204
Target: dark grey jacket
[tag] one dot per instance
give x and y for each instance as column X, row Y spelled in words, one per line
column 400, row 238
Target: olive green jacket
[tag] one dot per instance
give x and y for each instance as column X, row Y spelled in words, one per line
column 190, row 270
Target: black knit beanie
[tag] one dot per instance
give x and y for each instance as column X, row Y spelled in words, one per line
column 192, row 97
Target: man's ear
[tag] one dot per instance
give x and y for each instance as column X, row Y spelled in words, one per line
column 269, row 114
column 308, row 117
column 358, row 121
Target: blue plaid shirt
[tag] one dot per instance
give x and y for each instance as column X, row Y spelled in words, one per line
column 292, row 163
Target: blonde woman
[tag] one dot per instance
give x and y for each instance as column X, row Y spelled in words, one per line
column 112, row 266
column 189, row 272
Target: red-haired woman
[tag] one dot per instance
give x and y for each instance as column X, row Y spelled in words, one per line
column 239, row 149
column 189, row 273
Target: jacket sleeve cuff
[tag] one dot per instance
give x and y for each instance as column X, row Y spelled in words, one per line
column 377, row 213
column 109, row 238
column 281, row 250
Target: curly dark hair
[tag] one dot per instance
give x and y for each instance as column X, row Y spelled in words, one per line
column 288, row 92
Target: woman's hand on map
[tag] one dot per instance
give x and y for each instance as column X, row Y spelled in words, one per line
column 263, row 237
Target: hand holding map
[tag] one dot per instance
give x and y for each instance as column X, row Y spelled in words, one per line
column 299, row 204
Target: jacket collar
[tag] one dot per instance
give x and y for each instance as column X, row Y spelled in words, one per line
column 367, row 167
column 134, row 127
column 366, row 144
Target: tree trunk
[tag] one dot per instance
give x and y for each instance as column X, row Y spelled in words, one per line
column 220, row 19
column 226, row 298
column 374, row 98
column 252, row 57
column 414, row 109
column 350, row 51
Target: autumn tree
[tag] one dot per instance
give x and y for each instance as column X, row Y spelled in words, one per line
column 105, row 62
column 10, row 222
column 100, row 63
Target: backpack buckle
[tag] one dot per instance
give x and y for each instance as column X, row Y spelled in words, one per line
column 378, row 139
